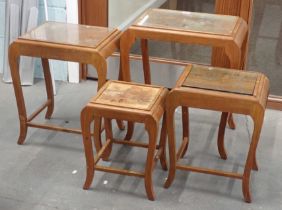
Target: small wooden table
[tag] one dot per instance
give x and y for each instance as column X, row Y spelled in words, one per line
column 131, row 102
column 227, row 32
column 60, row 41
column 221, row 90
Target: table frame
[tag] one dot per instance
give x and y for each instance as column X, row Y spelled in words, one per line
column 253, row 105
column 232, row 44
column 46, row 50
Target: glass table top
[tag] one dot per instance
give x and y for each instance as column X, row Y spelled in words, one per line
column 188, row 21
column 219, row 79
column 69, row 34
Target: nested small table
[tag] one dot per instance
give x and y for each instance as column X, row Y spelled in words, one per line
column 221, row 90
column 227, row 32
column 60, row 41
column 125, row 101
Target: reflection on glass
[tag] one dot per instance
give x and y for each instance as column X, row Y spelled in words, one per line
column 188, row 21
column 69, row 34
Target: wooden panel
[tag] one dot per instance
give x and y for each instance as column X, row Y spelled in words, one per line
column 93, row 12
column 128, row 95
column 241, row 8
column 225, row 80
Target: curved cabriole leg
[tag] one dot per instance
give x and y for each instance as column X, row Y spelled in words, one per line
column 109, row 135
column 171, row 146
column 49, row 87
column 14, row 68
column 220, row 137
column 152, row 129
column 120, row 123
column 97, row 133
column 258, row 119
column 231, row 122
column 163, row 144
column 130, row 130
column 185, row 125
column 146, row 62
column 86, row 118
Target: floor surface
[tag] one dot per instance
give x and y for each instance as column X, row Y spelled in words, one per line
column 48, row 171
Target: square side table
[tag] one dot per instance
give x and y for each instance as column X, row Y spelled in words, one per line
column 131, row 102
column 60, row 41
column 218, row 89
column 227, row 32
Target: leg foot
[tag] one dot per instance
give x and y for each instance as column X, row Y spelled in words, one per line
column 23, row 132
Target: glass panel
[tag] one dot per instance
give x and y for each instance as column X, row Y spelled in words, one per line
column 188, row 21
column 69, row 34
column 203, row 77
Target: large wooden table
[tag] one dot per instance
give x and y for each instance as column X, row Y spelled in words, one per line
column 60, row 41
column 226, row 32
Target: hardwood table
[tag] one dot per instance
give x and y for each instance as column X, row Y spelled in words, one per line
column 131, row 102
column 223, row 31
column 221, row 90
column 60, row 41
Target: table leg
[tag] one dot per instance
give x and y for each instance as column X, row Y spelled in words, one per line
column 220, row 137
column 86, row 117
column 130, row 130
column 152, row 129
column 126, row 42
column 109, row 135
column 49, row 87
column 14, row 67
column 146, row 61
column 163, row 143
column 251, row 158
column 100, row 64
column 230, row 121
column 97, row 133
column 185, row 125
column 171, row 143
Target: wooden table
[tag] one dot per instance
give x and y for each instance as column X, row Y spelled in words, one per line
column 221, row 90
column 60, row 41
column 131, row 102
column 227, row 32
column 223, row 31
